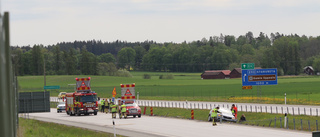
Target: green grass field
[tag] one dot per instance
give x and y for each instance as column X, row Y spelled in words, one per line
column 35, row 128
column 255, row 119
column 188, row 86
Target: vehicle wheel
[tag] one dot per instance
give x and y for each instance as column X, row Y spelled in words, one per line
column 95, row 113
column 139, row 116
column 67, row 112
column 134, row 116
column 57, row 111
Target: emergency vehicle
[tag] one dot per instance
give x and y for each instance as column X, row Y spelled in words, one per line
column 128, row 97
column 83, row 100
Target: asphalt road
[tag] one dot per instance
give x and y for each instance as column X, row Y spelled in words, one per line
column 245, row 107
column 160, row 126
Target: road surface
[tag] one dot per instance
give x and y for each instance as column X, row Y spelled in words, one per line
column 159, row 126
column 245, row 107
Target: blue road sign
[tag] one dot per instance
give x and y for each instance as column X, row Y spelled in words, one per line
column 256, row 77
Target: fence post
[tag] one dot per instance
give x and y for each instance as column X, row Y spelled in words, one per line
column 288, row 110
column 151, row 111
column 275, row 121
column 304, row 111
column 287, row 123
column 282, row 109
column 266, row 109
column 280, row 123
column 256, row 109
column 198, row 106
column 292, row 111
column 261, row 109
column 270, row 123
column 294, row 124
column 317, row 124
column 246, row 109
column 310, row 112
column 301, row 123
column 309, row 125
column 298, row 111
column 317, row 112
column 271, row 109
column 277, row 110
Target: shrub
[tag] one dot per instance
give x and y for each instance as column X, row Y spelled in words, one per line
column 123, row 73
column 146, row 76
column 168, row 76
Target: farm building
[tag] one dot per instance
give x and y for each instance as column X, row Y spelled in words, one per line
column 308, row 70
column 216, row 74
column 236, row 72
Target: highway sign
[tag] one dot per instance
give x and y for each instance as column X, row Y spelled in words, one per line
column 51, row 87
column 256, row 77
column 247, row 66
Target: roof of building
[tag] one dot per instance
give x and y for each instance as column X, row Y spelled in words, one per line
column 225, row 72
column 308, row 67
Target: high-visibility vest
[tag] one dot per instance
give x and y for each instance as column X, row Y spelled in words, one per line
column 102, row 102
column 214, row 112
column 114, row 108
column 123, row 108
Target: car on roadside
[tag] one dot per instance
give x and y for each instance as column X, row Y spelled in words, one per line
column 133, row 109
column 61, row 107
column 62, row 95
column 225, row 114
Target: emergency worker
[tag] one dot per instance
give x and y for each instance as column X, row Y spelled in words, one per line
column 114, row 110
column 234, row 110
column 123, row 110
column 102, row 105
column 77, row 106
column 214, row 115
column 107, row 105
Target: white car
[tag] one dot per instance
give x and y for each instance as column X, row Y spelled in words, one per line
column 61, row 107
column 225, row 113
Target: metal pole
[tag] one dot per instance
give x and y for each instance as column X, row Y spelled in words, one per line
column 285, row 98
column 114, row 129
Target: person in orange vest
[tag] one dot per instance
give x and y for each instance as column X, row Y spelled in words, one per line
column 234, row 110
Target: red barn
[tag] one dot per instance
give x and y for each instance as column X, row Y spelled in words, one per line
column 216, row 74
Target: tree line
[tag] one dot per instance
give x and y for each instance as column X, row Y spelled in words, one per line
column 288, row 53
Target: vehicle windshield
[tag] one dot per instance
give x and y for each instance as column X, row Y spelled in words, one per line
column 61, row 103
column 133, row 104
column 92, row 98
column 225, row 111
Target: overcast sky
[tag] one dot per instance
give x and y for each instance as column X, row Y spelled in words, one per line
column 48, row 22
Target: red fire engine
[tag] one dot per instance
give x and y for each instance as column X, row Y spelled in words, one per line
column 83, row 100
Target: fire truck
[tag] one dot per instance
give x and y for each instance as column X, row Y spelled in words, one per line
column 83, row 100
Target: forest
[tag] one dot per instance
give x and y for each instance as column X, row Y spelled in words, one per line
column 288, row 53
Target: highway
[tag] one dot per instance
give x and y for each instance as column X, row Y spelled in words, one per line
column 151, row 126
column 245, row 107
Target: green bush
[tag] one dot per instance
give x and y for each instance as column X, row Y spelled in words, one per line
column 146, row 76
column 168, row 76
column 123, row 73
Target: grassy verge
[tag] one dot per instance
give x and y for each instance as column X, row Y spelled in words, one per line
column 256, row 119
column 188, row 86
column 35, row 128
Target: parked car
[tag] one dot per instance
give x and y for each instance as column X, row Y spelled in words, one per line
column 225, row 114
column 133, row 110
column 62, row 95
column 61, row 107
